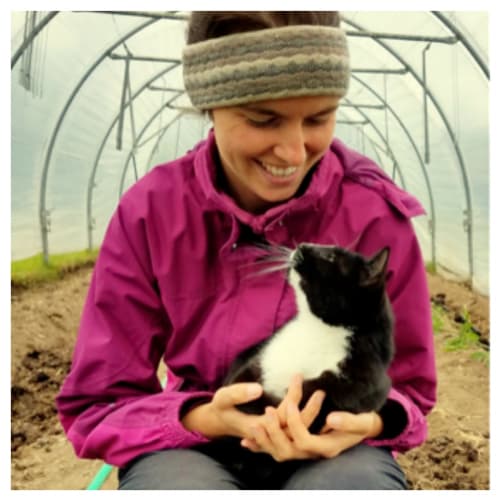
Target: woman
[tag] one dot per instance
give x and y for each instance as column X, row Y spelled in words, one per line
column 170, row 283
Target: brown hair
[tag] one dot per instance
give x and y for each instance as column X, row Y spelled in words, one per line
column 206, row 25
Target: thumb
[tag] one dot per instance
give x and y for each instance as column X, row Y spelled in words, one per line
column 364, row 423
column 239, row 393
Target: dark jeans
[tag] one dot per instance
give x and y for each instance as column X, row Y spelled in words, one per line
column 360, row 468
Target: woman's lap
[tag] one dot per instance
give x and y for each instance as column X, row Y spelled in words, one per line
column 362, row 467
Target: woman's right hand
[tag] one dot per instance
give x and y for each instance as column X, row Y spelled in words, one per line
column 220, row 417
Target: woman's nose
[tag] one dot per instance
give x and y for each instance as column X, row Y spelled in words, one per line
column 291, row 146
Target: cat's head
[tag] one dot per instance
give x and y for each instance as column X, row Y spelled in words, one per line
column 340, row 286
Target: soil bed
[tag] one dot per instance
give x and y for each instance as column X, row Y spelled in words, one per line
column 44, row 324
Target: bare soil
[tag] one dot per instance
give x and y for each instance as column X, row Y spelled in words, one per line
column 44, row 325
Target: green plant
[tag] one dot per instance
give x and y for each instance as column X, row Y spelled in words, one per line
column 431, row 267
column 466, row 337
column 33, row 269
column 482, row 356
column 438, row 318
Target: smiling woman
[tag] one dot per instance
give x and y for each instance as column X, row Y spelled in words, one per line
column 173, row 282
column 267, row 150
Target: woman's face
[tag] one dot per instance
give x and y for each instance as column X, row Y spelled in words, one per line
column 267, row 148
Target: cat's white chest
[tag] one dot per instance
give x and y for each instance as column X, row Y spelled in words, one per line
column 305, row 345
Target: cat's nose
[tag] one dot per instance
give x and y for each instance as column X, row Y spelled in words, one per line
column 296, row 257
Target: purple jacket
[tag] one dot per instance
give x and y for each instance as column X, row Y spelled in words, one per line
column 172, row 281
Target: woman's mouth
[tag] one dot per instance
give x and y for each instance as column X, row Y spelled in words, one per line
column 279, row 172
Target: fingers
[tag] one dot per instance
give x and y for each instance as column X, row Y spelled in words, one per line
column 251, row 444
column 312, row 408
column 294, row 395
column 327, row 445
column 295, row 390
column 296, row 442
column 270, row 437
column 297, row 429
column 239, row 393
column 368, row 424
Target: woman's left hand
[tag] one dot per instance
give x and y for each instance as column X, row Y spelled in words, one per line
column 342, row 431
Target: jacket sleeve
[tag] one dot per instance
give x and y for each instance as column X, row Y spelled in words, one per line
column 413, row 371
column 112, row 405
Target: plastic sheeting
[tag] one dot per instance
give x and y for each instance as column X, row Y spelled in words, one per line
column 78, row 143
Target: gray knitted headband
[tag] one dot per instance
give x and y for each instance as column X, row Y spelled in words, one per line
column 267, row 64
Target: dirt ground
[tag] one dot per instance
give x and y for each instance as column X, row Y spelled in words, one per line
column 44, row 325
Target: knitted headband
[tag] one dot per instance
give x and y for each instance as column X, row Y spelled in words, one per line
column 266, row 64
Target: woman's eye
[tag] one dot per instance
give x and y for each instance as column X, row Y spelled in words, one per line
column 268, row 122
column 317, row 120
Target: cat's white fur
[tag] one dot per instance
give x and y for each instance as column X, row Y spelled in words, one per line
column 306, row 345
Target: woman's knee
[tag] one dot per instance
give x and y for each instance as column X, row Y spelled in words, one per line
column 360, row 468
column 175, row 469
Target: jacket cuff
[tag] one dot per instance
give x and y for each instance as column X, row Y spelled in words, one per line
column 179, row 436
column 404, row 425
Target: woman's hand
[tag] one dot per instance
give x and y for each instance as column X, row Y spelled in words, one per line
column 220, row 417
column 284, row 434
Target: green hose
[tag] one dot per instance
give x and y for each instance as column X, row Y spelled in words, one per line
column 100, row 477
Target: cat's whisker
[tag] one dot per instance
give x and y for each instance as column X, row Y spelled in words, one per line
column 274, row 248
column 265, row 260
column 271, row 269
column 278, row 256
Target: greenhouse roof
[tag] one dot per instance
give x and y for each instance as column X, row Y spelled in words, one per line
column 98, row 100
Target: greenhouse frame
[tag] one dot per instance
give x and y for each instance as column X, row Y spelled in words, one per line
column 98, row 101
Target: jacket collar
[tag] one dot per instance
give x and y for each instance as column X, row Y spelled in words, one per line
column 338, row 162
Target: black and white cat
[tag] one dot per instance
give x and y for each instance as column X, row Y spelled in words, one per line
column 341, row 341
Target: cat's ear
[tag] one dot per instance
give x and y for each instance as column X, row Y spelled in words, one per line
column 375, row 269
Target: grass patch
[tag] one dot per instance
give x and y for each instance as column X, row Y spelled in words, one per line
column 431, row 268
column 467, row 338
column 481, row 356
column 25, row 272
column 438, row 316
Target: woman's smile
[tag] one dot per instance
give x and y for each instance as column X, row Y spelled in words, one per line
column 280, row 175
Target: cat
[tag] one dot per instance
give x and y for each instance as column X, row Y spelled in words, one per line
column 341, row 341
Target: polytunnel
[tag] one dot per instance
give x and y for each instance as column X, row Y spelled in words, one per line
column 98, row 100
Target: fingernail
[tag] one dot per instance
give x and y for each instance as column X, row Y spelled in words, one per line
column 319, row 396
column 253, row 390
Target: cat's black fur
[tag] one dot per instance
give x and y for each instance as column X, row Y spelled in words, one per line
column 344, row 289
